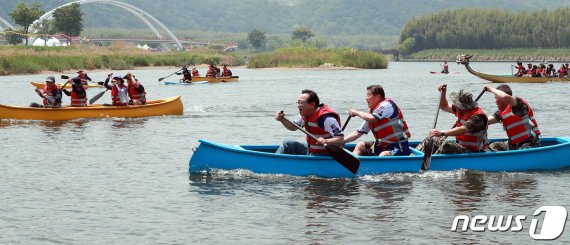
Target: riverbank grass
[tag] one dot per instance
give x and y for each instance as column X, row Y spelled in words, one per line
column 308, row 57
column 25, row 60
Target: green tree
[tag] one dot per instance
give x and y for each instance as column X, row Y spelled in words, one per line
column 302, row 33
column 69, row 20
column 407, row 46
column 25, row 16
column 257, row 39
column 12, row 37
column 45, row 27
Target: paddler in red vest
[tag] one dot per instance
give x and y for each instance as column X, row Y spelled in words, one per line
column 445, row 67
column 82, row 75
column 51, row 94
column 136, row 90
column 517, row 118
column 386, row 121
column 116, row 88
column 78, row 93
column 470, row 129
column 195, row 72
column 318, row 119
column 520, row 69
column 226, row 72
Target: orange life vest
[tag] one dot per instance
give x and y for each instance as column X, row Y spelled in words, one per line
column 50, row 92
column 136, row 95
column 518, row 128
column 115, row 95
column 473, row 141
column 390, row 130
column 312, row 126
column 77, row 101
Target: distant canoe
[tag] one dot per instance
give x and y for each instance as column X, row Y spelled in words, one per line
column 437, row 72
column 216, row 79
column 184, row 83
column 89, row 85
column 170, row 106
column 464, row 59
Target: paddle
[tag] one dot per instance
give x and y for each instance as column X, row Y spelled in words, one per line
column 341, row 155
column 162, row 78
column 346, row 123
column 97, row 96
column 429, row 147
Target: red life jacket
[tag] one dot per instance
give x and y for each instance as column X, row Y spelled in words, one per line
column 136, row 95
column 226, row 73
column 518, row 128
column 390, row 130
column 49, row 92
column 195, row 73
column 211, row 72
column 312, row 126
column 473, row 141
column 115, row 95
column 77, row 101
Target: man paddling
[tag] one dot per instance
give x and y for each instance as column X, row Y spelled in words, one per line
column 186, row 76
column 386, row 121
column 517, row 118
column 318, row 119
column 137, row 93
column 78, row 93
column 470, row 129
column 50, row 93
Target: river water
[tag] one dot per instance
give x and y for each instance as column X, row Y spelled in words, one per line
column 126, row 181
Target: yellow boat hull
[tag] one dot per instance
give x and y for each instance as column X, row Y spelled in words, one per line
column 90, row 85
column 170, row 106
column 216, row 79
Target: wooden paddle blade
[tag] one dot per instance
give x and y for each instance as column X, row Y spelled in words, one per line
column 428, row 149
column 344, row 157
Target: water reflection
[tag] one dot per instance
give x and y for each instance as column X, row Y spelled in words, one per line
column 326, row 199
column 121, row 123
column 467, row 191
column 388, row 195
column 519, row 190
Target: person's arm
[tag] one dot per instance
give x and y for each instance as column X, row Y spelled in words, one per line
column 57, row 95
column 501, row 95
column 364, row 115
column 451, row 132
column 331, row 125
column 88, row 78
column 280, row 116
column 352, row 136
column 66, row 92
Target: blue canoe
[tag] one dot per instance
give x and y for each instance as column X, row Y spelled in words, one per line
column 554, row 154
column 179, row 83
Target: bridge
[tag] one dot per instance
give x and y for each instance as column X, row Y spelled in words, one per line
column 145, row 17
column 392, row 51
